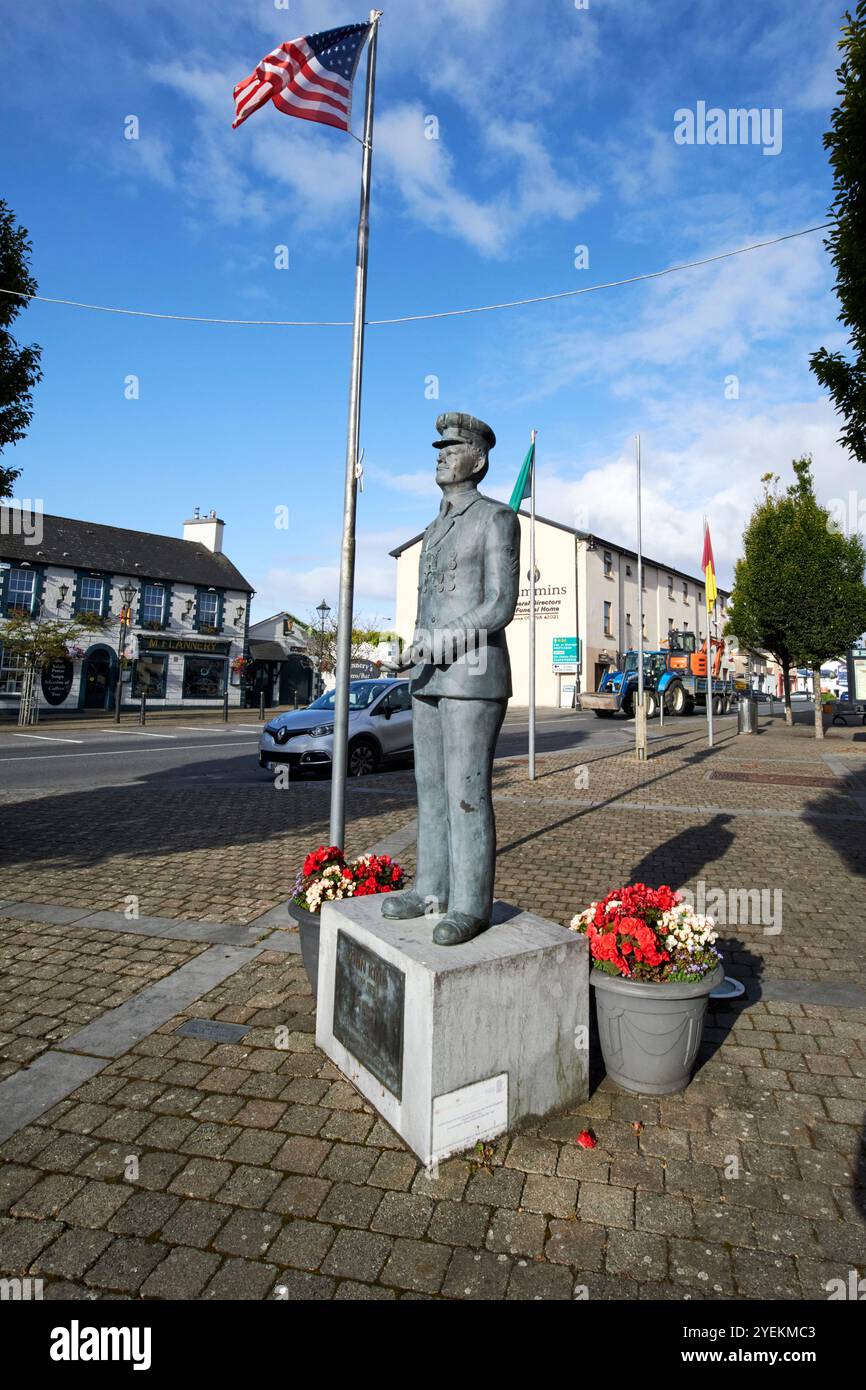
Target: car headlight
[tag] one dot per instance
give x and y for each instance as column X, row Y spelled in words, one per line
column 320, row 730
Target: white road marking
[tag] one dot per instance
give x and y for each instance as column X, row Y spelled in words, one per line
column 137, row 733
column 46, row 739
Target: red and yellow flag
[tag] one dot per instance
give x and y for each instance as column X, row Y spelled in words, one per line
column 708, row 565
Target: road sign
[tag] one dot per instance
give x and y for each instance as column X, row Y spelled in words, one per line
column 566, row 653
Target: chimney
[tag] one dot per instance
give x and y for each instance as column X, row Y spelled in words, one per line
column 207, row 529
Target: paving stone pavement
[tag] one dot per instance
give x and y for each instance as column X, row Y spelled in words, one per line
column 189, row 1168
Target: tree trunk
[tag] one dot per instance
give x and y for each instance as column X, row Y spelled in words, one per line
column 819, row 703
column 786, row 683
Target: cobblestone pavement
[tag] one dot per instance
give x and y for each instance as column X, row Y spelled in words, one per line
column 193, row 1169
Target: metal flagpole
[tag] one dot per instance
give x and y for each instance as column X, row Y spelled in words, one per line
column 532, row 615
column 640, row 711
column 347, row 549
column 709, row 661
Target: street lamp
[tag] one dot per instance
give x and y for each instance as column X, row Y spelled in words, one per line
column 127, row 594
column 323, row 610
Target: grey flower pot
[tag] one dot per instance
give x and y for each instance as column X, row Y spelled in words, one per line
column 650, row 1034
column 308, row 922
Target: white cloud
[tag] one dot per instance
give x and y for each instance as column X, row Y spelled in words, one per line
column 691, row 468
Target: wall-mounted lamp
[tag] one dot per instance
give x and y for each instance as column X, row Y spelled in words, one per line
column 62, row 590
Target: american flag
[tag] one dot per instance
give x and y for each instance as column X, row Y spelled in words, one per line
column 310, row 77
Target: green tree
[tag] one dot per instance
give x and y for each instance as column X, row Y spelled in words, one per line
column 798, row 588
column 846, row 140
column 19, row 366
column 365, row 638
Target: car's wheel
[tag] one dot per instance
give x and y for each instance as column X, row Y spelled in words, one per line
column 363, row 757
column 676, row 699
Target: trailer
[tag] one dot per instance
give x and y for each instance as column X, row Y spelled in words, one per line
column 675, row 674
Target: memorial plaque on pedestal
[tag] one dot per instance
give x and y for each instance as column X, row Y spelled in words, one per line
column 369, row 998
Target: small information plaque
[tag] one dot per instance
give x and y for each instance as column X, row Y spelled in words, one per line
column 369, row 996
column 462, row 1117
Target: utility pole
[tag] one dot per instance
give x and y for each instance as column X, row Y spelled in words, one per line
column 640, row 709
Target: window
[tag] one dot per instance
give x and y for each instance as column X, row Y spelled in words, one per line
column 11, row 671
column 628, row 571
column 152, row 604
column 628, row 619
column 607, row 631
column 149, row 677
column 608, row 563
column 685, row 592
column 91, row 590
column 670, row 587
column 204, row 678
column 400, row 698
column 21, row 589
column 700, row 595
column 208, row 609
column 670, row 624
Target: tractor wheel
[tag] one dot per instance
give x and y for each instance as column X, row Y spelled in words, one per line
column 652, row 704
column 628, row 708
column 690, row 705
column 677, row 699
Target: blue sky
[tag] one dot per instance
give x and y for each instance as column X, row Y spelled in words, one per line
column 556, row 130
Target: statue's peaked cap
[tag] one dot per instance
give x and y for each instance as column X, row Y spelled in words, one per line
column 456, row 427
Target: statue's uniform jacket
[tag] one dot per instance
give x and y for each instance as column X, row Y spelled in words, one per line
column 467, row 586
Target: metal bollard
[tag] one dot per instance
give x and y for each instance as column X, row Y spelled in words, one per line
column 142, row 713
column 262, row 705
column 226, row 705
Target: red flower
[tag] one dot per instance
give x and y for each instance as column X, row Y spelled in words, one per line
column 586, row 1140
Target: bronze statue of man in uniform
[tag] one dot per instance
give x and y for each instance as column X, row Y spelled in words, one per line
column 460, row 683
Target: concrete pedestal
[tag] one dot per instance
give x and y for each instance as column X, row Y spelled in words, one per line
column 454, row 1044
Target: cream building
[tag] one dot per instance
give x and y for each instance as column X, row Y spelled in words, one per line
column 586, row 589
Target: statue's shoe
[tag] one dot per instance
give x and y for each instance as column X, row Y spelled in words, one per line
column 400, row 906
column 456, row 928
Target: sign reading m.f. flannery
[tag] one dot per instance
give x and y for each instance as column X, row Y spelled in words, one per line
column 369, row 995
column 202, row 647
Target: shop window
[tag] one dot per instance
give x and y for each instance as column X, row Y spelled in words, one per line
column 204, row 678
column 149, row 677
column 11, row 672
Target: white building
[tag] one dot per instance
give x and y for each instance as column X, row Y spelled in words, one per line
column 189, row 612
column 586, row 590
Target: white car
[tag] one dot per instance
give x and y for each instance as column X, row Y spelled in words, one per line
column 380, row 730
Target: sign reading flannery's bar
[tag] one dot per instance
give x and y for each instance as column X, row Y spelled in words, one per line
column 369, row 996
column 183, row 644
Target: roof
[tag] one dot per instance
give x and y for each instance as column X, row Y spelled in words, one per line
column 595, row 541
column 267, row 651
column 115, row 550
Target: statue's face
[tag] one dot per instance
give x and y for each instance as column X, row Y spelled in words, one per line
column 457, row 463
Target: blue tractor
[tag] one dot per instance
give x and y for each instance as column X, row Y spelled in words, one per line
column 676, row 674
